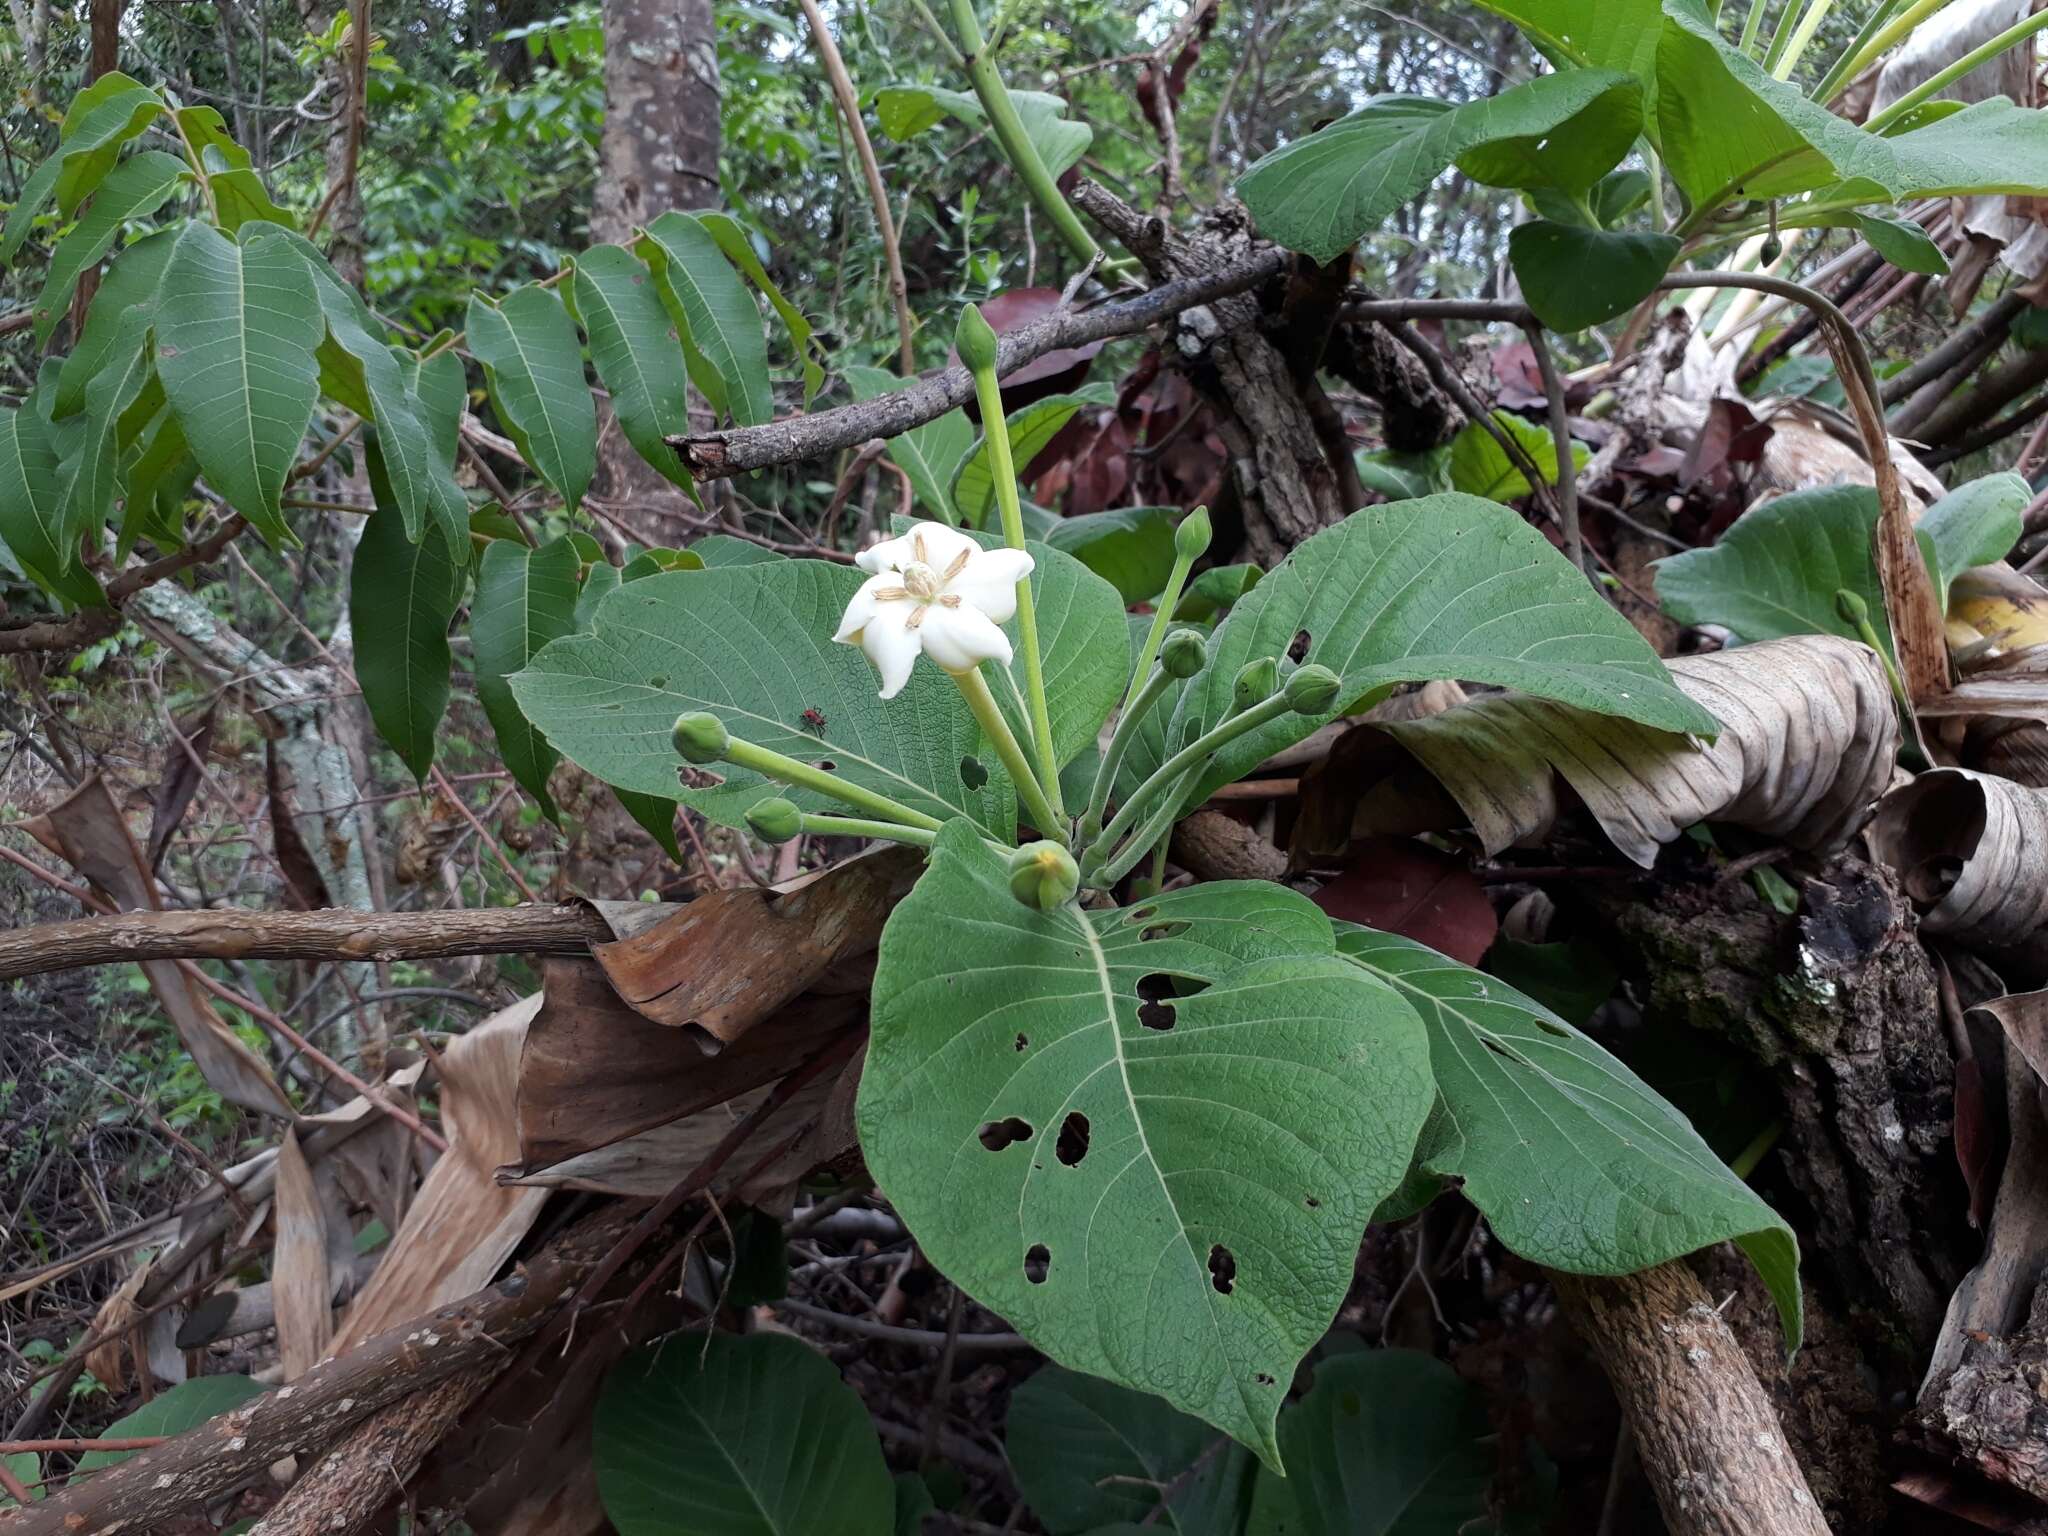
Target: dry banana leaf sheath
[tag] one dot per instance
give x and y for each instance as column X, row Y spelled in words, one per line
column 1972, row 852
column 1808, row 734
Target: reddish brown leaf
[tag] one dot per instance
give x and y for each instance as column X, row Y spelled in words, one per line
column 1058, row 372
column 1401, row 886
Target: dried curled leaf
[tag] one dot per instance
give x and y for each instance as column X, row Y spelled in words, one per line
column 1808, row 733
column 1972, row 852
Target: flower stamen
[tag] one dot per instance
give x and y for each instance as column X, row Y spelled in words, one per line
column 959, row 564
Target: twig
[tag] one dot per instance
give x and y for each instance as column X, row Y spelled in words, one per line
column 922, row 1338
column 1561, row 435
column 462, row 809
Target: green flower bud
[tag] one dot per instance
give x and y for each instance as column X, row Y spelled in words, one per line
column 701, row 737
column 776, row 820
column 1044, row 875
column 1851, row 607
column 1256, row 681
column 975, row 340
column 1770, row 251
column 1191, row 538
column 1184, row 654
column 1312, row 690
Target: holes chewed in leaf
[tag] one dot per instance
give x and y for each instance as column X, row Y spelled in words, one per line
column 1072, row 1145
column 692, row 777
column 826, row 765
column 1297, row 648
column 972, row 773
column 1154, row 1011
column 1162, row 931
column 1023, row 1041
column 1263, row 1379
column 659, row 680
column 998, row 1134
column 1139, row 914
column 1222, row 1269
column 1037, row 1260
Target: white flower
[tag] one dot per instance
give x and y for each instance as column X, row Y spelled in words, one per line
column 937, row 591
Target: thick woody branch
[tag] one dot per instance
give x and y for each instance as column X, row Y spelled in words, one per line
column 90, row 624
column 340, row 933
column 740, row 450
column 1705, row 1430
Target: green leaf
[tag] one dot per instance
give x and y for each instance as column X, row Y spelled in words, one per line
column 1605, row 34
column 100, row 120
column 1081, row 636
column 1402, row 476
column 155, row 486
column 913, row 1502
column 137, row 188
column 1087, row 1453
column 1569, row 158
column 33, row 508
column 35, row 197
column 1321, row 193
column 637, row 352
column 730, row 1435
column 599, row 583
column 1215, row 592
column 1480, row 467
column 533, row 365
column 714, row 314
column 753, row 645
column 185, row 1406
column 656, row 816
column 1574, row 1161
column 1777, row 568
column 722, row 549
column 1443, row 587
column 236, row 328
column 131, row 279
column 652, row 562
column 236, row 191
column 1975, row 524
column 1059, row 1145
column 1387, row 1442
column 26, row 1468
column 739, row 250
column 905, row 111
column 401, row 596
column 524, row 598
column 1904, row 244
column 92, row 470
column 931, row 455
column 1031, row 427
column 1129, row 547
column 1574, row 277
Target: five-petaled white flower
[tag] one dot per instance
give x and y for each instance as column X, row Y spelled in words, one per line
column 937, row 591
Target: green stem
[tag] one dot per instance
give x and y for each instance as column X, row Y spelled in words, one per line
column 1816, row 13
column 1156, row 833
column 854, row 826
column 996, row 432
column 1852, row 607
column 1752, row 23
column 1127, row 722
column 803, row 775
column 1167, row 775
column 1838, row 71
column 2018, row 32
column 1162, row 615
column 974, row 688
column 1900, row 27
column 1010, row 135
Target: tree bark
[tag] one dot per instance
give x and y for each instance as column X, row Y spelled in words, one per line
column 1704, row 1429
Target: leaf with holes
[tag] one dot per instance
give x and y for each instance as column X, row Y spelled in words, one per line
column 524, row 599
column 1321, row 193
column 533, row 363
column 637, row 352
column 1031, row 428
column 714, row 315
column 138, row 187
column 401, row 597
column 1087, row 1452
column 753, row 645
column 1573, row 1159
column 931, row 454
column 1443, row 586
column 1149, row 1137
column 729, row 1435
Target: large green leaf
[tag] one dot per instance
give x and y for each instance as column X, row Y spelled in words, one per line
column 1574, row 277
column 731, row 1435
column 931, row 454
column 1479, row 466
column 1319, row 194
column 908, row 110
column 1602, row 34
column 1904, row 244
column 131, row 279
column 101, row 119
column 155, row 485
column 1388, row 1442
column 1575, row 1161
column 1443, row 586
column 1087, row 1453
column 237, row 323
column 1031, row 427
column 137, row 188
column 401, row 596
column 637, row 352
column 533, row 364
column 715, row 316
column 1974, row 524
column 232, row 185
column 1165, row 1191
column 93, row 466
column 33, row 505
column 184, row 1406
column 1130, row 547
column 753, row 645
column 524, row 599
column 739, row 250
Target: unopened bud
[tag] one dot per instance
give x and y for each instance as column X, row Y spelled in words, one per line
column 1184, row 654
column 975, row 340
column 1313, row 689
column 1191, row 538
column 701, row 737
column 1255, row 683
column 1044, row 875
column 776, row 820
column 1851, row 607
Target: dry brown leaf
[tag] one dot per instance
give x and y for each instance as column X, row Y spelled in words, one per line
column 106, row 1362
column 732, row 958
column 87, row 830
column 1971, row 851
column 1808, row 734
column 463, row 1224
column 299, row 1275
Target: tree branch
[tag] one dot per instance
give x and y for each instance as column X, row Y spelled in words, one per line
column 90, row 624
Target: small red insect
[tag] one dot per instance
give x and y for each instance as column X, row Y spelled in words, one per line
column 814, row 722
